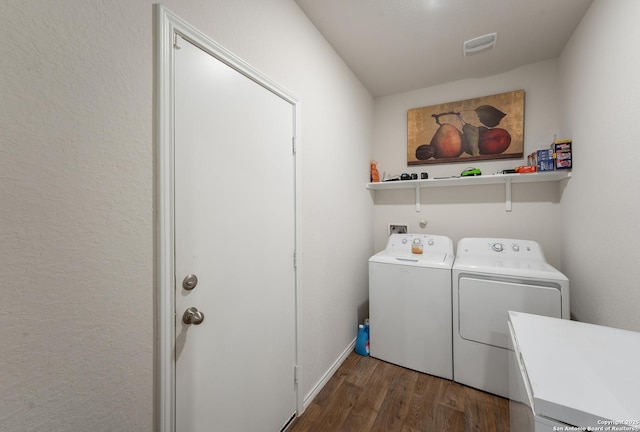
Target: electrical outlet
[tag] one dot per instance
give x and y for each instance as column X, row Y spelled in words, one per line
column 398, row 229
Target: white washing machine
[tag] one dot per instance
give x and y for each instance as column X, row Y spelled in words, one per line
column 410, row 303
column 567, row 375
column 491, row 277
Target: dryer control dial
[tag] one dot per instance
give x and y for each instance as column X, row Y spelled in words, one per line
column 497, row 247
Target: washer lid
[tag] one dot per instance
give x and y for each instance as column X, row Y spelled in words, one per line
column 580, row 374
column 426, row 259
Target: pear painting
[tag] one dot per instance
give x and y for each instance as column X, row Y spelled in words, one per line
column 484, row 128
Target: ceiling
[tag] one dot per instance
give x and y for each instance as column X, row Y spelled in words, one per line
column 400, row 45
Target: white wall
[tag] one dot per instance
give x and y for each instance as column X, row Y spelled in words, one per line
column 474, row 211
column 599, row 70
column 76, row 182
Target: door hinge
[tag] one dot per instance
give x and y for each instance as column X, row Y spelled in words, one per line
column 176, row 40
column 293, row 145
column 296, row 372
column 295, row 259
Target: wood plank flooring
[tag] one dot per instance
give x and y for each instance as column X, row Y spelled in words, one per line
column 369, row 395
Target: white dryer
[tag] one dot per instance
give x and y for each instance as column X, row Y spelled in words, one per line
column 410, row 303
column 491, row 277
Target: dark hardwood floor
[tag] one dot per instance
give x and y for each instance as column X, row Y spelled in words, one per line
column 366, row 394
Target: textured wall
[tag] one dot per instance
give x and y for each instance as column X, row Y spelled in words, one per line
column 76, row 187
column 599, row 71
column 474, row 211
column 76, row 243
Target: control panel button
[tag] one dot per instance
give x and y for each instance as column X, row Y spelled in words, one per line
column 515, row 247
column 497, row 247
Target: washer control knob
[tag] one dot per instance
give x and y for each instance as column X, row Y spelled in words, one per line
column 497, row 247
column 515, row 247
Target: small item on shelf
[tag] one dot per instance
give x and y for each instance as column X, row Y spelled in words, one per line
column 375, row 175
column 405, row 176
column 544, row 160
column 471, row 172
column 526, row 169
column 388, row 178
column 562, row 154
column 424, row 175
column 414, row 176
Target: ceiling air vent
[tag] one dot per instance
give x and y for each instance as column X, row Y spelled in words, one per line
column 479, row 44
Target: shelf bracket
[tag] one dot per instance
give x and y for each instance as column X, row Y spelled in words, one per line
column 417, row 198
column 507, row 186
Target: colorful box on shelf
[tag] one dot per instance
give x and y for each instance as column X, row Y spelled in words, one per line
column 545, row 160
column 562, row 154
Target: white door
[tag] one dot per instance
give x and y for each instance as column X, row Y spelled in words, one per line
column 234, row 230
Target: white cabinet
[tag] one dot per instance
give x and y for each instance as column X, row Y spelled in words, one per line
column 566, row 372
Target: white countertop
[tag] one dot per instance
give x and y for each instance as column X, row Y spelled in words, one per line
column 580, row 374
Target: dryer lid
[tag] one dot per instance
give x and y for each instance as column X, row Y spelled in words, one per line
column 508, row 267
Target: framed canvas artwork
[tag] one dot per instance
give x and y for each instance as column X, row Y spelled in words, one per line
column 484, row 128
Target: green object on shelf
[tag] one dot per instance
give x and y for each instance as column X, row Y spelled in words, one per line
column 471, row 172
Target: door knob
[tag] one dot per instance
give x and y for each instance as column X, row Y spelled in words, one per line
column 192, row 316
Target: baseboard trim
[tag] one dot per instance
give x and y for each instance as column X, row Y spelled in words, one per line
column 327, row 376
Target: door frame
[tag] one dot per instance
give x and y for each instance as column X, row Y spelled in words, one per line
column 167, row 26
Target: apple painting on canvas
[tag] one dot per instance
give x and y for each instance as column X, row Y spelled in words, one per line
column 489, row 127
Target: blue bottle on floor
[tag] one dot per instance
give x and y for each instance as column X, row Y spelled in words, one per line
column 362, row 341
